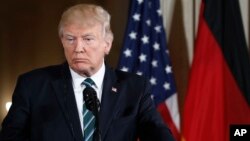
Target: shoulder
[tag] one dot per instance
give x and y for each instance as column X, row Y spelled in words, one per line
column 131, row 79
column 128, row 76
column 53, row 71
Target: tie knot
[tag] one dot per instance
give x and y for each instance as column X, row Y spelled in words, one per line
column 88, row 82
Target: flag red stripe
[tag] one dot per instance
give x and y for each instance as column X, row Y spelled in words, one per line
column 238, row 111
column 203, row 110
column 164, row 111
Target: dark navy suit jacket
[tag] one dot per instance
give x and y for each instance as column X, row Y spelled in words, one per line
column 44, row 109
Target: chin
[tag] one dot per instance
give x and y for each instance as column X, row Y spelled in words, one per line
column 81, row 69
column 78, row 67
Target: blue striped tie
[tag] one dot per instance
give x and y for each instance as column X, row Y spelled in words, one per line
column 88, row 117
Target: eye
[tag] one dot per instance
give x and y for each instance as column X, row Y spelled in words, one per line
column 69, row 39
column 88, row 40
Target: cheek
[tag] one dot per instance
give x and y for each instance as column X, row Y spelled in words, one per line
column 68, row 53
column 97, row 56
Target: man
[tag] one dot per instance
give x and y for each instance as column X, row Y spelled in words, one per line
column 48, row 103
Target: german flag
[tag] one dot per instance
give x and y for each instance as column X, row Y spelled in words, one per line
column 218, row 92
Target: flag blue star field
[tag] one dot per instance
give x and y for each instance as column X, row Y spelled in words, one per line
column 145, row 53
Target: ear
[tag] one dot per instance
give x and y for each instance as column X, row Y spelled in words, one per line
column 108, row 45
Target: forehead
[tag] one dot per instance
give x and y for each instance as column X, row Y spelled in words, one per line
column 82, row 28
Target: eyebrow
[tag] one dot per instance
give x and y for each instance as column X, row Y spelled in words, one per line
column 82, row 36
column 67, row 35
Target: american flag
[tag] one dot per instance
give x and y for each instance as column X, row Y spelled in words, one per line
column 145, row 53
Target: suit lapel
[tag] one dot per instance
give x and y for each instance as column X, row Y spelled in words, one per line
column 109, row 99
column 66, row 98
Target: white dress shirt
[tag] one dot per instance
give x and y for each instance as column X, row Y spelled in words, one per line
column 78, row 88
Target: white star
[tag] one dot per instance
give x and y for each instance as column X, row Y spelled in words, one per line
column 139, row 73
column 166, row 86
column 140, row 1
column 152, row 96
column 142, row 58
column 124, row 69
column 148, row 22
column 132, row 35
column 153, row 81
column 158, row 28
column 154, row 63
column 156, row 46
column 136, row 17
column 159, row 12
column 145, row 39
column 167, row 51
column 168, row 69
column 128, row 52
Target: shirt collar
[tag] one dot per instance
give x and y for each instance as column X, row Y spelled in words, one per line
column 97, row 77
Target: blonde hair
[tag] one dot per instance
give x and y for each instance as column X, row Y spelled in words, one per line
column 87, row 13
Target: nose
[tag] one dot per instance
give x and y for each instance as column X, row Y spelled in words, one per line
column 79, row 48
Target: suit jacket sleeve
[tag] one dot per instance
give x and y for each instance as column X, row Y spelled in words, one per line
column 16, row 123
column 151, row 125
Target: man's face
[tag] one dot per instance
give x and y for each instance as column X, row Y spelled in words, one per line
column 84, row 47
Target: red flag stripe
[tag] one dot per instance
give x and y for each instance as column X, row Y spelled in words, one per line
column 164, row 111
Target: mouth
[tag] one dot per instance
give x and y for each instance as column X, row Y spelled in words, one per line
column 78, row 60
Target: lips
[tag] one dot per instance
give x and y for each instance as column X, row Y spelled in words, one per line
column 80, row 60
